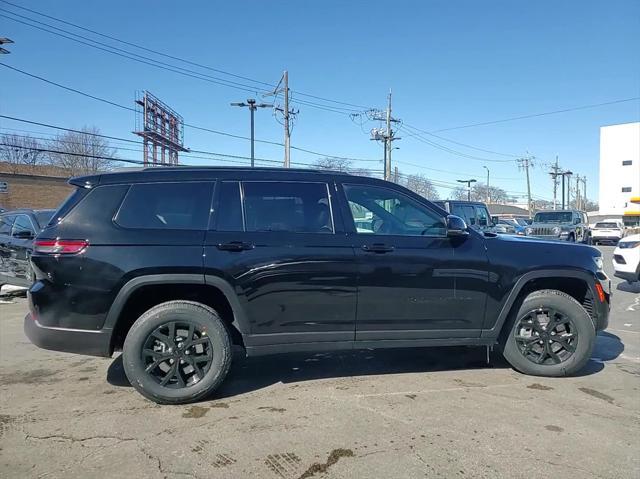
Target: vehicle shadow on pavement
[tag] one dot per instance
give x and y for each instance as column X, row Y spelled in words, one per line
column 252, row 374
column 629, row 287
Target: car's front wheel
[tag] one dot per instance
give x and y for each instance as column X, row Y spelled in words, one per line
column 550, row 335
column 177, row 352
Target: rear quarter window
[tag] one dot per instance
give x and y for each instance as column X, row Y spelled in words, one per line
column 67, row 205
column 176, row 206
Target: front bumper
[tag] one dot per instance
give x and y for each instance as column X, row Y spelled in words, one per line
column 81, row 341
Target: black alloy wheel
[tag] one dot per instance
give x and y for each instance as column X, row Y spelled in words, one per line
column 177, row 354
column 546, row 336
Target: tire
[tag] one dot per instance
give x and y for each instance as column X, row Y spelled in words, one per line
column 208, row 331
column 580, row 326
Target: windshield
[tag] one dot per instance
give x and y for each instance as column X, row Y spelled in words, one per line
column 553, row 217
column 521, row 221
column 606, row 225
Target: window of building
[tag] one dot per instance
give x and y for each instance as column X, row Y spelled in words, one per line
column 181, row 206
column 281, row 206
column 627, row 162
column 626, row 189
column 383, row 211
column 229, row 211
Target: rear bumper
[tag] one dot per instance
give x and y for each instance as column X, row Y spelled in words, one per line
column 81, row 341
column 608, row 239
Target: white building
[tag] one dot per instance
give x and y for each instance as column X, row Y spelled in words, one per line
column 620, row 172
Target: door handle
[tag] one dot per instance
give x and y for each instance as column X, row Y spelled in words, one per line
column 234, row 246
column 377, row 248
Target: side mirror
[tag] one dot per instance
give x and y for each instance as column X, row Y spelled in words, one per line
column 456, row 226
column 495, row 219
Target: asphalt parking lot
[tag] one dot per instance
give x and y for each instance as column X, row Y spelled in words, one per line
column 383, row 414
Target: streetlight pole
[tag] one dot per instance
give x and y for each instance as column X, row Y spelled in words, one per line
column 468, row 182
column 564, row 174
column 488, row 196
column 251, row 104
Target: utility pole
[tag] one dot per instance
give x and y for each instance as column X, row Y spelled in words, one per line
column 577, row 195
column 387, row 135
column 525, row 163
column 584, row 191
column 287, row 114
column 251, row 103
column 554, row 175
column 565, row 174
column 488, row 194
column 395, row 174
column 468, row 182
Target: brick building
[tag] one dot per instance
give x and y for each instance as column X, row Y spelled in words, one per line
column 26, row 186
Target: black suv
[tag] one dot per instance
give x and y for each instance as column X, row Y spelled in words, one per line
column 175, row 265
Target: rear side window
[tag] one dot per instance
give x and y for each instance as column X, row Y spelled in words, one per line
column 6, row 221
column 181, row 206
column 67, row 205
column 280, row 206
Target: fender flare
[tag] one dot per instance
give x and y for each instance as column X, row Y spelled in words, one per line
column 583, row 275
column 240, row 321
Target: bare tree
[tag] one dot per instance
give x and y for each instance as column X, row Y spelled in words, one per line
column 335, row 164
column 20, row 150
column 421, row 185
column 82, row 153
column 339, row 164
column 479, row 193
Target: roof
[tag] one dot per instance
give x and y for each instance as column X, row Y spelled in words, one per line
column 200, row 173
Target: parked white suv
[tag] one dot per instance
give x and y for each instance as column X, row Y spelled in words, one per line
column 626, row 258
column 607, row 231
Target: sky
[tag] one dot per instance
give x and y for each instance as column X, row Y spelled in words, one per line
column 449, row 63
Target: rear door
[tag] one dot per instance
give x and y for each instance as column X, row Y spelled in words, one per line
column 21, row 245
column 281, row 245
column 6, row 223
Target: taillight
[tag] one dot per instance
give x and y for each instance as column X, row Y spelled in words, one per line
column 59, row 246
column 600, row 292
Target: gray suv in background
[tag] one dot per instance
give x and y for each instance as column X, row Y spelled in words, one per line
column 563, row 225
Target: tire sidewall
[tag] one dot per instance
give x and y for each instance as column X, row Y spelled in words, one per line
column 580, row 320
column 205, row 319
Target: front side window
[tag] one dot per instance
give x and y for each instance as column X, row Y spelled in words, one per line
column 6, row 222
column 22, row 227
column 483, row 216
column 466, row 212
column 181, row 206
column 383, row 211
column 287, row 206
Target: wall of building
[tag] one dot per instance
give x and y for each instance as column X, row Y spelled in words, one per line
column 619, row 143
column 32, row 186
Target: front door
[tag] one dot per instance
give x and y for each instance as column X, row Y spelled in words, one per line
column 413, row 283
column 282, row 247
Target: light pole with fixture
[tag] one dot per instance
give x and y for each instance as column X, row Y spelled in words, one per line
column 468, row 182
column 251, row 103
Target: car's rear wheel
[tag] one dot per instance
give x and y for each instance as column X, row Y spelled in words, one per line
column 550, row 335
column 177, row 352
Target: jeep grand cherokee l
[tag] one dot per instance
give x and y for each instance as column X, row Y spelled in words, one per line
column 175, row 265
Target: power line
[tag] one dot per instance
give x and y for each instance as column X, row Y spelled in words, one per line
column 188, row 125
column 166, row 55
column 460, row 143
column 534, row 115
column 157, row 63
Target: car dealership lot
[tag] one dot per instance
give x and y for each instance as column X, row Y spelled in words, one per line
column 410, row 413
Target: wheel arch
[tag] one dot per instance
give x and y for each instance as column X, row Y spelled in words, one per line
column 143, row 292
column 576, row 283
